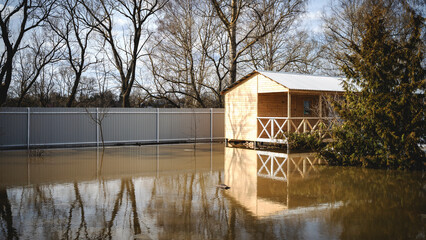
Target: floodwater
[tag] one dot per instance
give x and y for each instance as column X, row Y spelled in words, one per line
column 169, row 192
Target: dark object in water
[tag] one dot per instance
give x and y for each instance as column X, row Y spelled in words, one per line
column 223, row 186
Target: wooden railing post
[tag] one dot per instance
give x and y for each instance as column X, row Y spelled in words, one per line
column 304, row 125
column 289, row 111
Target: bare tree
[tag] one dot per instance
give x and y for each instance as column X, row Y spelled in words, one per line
column 123, row 52
column 95, row 89
column 102, row 76
column 179, row 58
column 242, row 21
column 66, row 22
column 45, row 85
column 289, row 51
column 98, row 119
column 17, row 18
column 217, row 52
column 341, row 30
column 30, row 62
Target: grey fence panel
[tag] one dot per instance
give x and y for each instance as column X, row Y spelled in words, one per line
column 184, row 124
column 31, row 127
column 219, row 125
column 13, row 127
column 203, row 125
column 175, row 127
column 129, row 127
column 62, row 128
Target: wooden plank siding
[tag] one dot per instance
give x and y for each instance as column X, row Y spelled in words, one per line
column 272, row 105
column 275, row 105
column 297, row 108
column 241, row 111
column 266, row 85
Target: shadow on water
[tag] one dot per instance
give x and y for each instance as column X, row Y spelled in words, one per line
column 168, row 192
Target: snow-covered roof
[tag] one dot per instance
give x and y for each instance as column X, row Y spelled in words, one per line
column 294, row 81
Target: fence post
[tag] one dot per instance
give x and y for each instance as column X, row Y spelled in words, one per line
column 28, row 128
column 211, row 124
column 158, row 125
column 97, row 127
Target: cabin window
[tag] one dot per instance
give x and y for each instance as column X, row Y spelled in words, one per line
column 306, row 107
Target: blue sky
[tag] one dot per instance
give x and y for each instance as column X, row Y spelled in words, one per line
column 312, row 18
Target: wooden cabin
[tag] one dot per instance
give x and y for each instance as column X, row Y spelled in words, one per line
column 264, row 106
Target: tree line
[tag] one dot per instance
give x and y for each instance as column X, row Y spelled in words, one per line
column 175, row 53
column 132, row 53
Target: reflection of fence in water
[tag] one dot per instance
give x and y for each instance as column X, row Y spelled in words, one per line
column 68, row 165
column 279, row 166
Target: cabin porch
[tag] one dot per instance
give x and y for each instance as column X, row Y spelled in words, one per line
column 286, row 112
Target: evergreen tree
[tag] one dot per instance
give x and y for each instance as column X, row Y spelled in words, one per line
column 383, row 107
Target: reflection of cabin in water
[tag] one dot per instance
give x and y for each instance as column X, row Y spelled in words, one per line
column 265, row 106
column 269, row 184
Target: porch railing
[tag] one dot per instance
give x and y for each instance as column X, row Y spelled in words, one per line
column 276, row 129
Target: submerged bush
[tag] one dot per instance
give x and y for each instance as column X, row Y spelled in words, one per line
column 311, row 141
column 359, row 148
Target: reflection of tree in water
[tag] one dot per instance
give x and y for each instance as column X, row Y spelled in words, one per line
column 379, row 204
column 183, row 206
column 188, row 206
column 6, row 216
column 126, row 184
column 60, row 212
column 83, row 225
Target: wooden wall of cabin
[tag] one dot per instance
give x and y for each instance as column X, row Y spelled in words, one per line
column 275, row 105
column 272, row 105
column 266, row 85
column 241, row 111
column 298, row 108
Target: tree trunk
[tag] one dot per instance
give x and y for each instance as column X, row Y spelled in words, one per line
column 125, row 99
column 71, row 97
column 3, row 94
column 4, row 86
column 232, row 55
column 232, row 31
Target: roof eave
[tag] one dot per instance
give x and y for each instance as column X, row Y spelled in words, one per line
column 232, row 86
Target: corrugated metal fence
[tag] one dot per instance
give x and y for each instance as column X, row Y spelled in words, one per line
column 35, row 127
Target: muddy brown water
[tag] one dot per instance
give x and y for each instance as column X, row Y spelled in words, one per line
column 169, row 192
